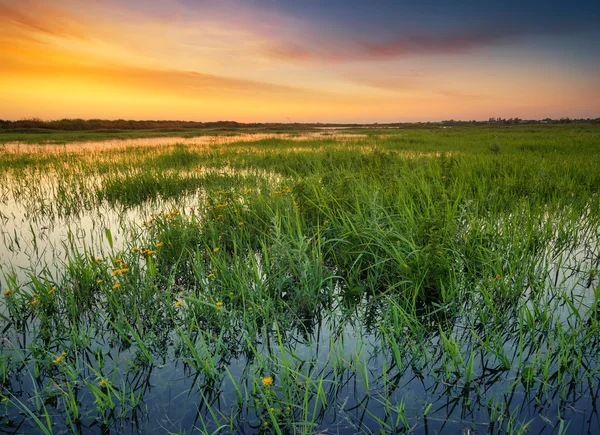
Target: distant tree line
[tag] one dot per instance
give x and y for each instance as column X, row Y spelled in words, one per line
column 122, row 124
column 517, row 121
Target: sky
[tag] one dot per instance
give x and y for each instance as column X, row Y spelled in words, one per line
column 299, row 61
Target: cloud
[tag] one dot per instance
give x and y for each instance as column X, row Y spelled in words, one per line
column 351, row 48
column 36, row 17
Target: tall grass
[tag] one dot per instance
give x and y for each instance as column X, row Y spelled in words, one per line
column 393, row 282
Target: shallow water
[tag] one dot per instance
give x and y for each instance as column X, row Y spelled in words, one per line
column 351, row 371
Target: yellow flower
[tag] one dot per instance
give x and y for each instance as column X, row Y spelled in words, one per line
column 34, row 301
column 241, row 224
column 249, row 308
column 101, row 383
column 497, row 276
column 59, row 358
column 124, row 270
column 150, row 252
column 271, row 409
column 211, row 275
column 219, row 304
column 135, row 249
column 52, row 290
column 178, row 303
column 159, row 244
column 7, row 292
column 99, row 281
column 215, row 249
column 98, row 259
column 116, row 272
column 267, row 381
column 117, row 260
column 117, row 285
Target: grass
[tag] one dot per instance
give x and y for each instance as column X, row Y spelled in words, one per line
column 398, row 281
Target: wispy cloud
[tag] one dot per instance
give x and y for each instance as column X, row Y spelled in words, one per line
column 35, row 17
column 351, row 48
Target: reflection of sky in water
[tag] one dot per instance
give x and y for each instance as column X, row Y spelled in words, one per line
column 38, row 243
column 36, row 231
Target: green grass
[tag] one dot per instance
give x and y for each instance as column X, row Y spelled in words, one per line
column 389, row 281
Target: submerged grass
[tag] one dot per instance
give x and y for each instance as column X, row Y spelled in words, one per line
column 400, row 281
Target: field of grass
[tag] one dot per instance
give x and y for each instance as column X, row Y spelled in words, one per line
column 361, row 281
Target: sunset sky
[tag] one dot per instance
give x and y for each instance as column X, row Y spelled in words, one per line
column 299, row 61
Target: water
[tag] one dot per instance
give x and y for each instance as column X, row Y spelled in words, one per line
column 344, row 370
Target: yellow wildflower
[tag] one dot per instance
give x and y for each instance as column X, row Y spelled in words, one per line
column 99, row 281
column 59, row 358
column 116, row 272
column 117, row 260
column 7, row 292
column 267, row 381
column 116, row 285
column 52, row 290
column 178, row 303
column 98, row 259
column 101, row 383
column 241, row 224
column 159, row 244
column 271, row 409
column 211, row 275
column 124, row 270
column 34, row 301
column 215, row 249
column 135, row 249
column 497, row 276
column 219, row 304
column 150, row 252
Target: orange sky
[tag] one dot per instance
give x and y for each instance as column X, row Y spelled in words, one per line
column 92, row 59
